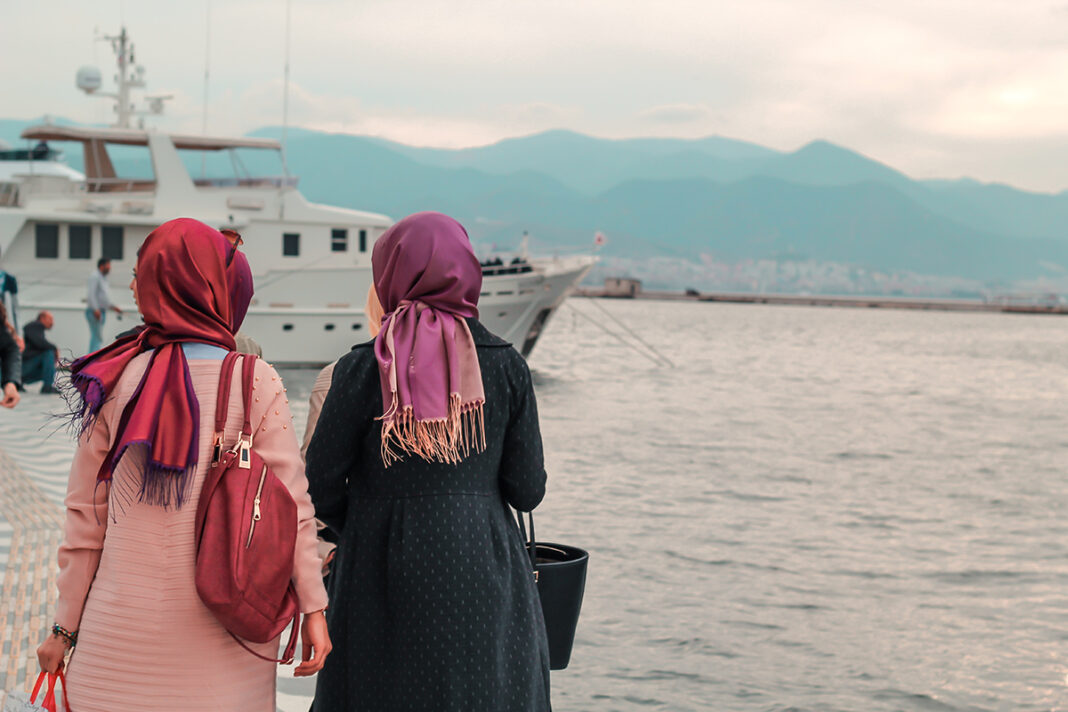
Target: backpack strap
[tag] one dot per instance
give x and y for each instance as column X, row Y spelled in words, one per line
column 248, row 364
column 244, row 444
column 291, row 646
column 222, row 403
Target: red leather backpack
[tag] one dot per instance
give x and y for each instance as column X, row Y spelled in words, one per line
column 246, row 532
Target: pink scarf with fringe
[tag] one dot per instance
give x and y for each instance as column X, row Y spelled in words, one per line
column 428, row 280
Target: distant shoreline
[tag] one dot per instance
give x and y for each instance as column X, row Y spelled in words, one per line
column 852, row 302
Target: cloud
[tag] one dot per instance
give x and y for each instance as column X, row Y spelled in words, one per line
column 933, row 88
column 676, row 114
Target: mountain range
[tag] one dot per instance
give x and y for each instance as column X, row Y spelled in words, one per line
column 685, row 199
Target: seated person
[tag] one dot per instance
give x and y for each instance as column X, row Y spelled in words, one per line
column 40, row 355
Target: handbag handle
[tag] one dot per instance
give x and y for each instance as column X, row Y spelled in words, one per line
column 530, row 544
column 49, row 701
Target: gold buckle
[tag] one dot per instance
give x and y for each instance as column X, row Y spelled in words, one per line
column 216, row 449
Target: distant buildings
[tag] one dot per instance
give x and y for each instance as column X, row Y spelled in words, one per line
column 622, row 287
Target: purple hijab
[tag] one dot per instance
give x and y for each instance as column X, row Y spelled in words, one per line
column 428, row 280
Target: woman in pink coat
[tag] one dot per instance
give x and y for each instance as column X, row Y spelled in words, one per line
column 128, row 605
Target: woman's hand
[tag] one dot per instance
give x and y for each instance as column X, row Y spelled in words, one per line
column 11, row 396
column 315, row 638
column 51, row 653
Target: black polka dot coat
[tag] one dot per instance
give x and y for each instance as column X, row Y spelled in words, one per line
column 433, row 606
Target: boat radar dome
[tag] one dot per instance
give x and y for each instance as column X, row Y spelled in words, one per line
column 88, row 79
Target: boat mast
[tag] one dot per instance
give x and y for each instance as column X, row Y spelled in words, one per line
column 131, row 76
column 124, row 51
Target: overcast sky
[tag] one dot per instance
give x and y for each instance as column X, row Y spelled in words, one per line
column 936, row 88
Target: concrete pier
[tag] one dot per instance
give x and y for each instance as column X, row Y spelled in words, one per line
column 967, row 305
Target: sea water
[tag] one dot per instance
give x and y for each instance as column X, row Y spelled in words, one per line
column 812, row 509
column 809, row 509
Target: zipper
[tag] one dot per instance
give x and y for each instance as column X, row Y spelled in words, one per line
column 256, row 507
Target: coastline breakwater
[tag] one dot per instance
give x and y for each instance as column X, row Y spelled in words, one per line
column 1010, row 306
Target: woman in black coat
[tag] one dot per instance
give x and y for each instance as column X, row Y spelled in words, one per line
column 433, row 603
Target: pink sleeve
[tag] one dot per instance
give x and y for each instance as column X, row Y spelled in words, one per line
column 274, row 439
column 85, row 525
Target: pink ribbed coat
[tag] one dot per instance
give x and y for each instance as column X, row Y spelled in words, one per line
column 146, row 642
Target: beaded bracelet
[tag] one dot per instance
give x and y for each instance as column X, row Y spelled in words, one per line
column 71, row 638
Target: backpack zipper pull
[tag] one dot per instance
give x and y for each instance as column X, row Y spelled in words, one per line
column 256, row 507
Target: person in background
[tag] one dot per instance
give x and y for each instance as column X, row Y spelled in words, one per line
column 373, row 310
column 10, row 364
column 9, row 297
column 99, row 300
column 426, row 436
column 40, row 355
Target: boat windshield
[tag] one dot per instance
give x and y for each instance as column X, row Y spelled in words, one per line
column 237, row 166
column 111, row 167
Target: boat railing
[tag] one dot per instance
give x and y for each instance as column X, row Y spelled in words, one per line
column 120, row 185
column 258, row 182
column 492, row 270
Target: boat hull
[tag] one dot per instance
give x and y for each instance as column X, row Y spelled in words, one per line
column 516, row 307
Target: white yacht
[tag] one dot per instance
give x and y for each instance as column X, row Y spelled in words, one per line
column 312, row 263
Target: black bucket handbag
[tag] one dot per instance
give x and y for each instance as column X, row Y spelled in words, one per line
column 560, row 575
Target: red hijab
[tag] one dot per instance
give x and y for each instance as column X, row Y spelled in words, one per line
column 184, row 293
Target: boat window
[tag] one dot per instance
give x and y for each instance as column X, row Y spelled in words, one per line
column 328, row 327
column 363, row 241
column 46, row 241
column 79, row 242
column 339, row 240
column 112, row 242
column 291, row 244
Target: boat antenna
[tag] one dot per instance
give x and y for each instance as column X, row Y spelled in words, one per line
column 285, row 109
column 207, row 77
column 285, row 84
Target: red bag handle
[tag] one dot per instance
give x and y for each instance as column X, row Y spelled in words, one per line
column 49, row 701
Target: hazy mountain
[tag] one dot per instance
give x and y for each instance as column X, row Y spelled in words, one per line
column 592, row 165
column 683, row 198
column 867, row 224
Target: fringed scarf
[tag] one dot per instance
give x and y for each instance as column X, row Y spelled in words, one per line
column 191, row 286
column 428, row 280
